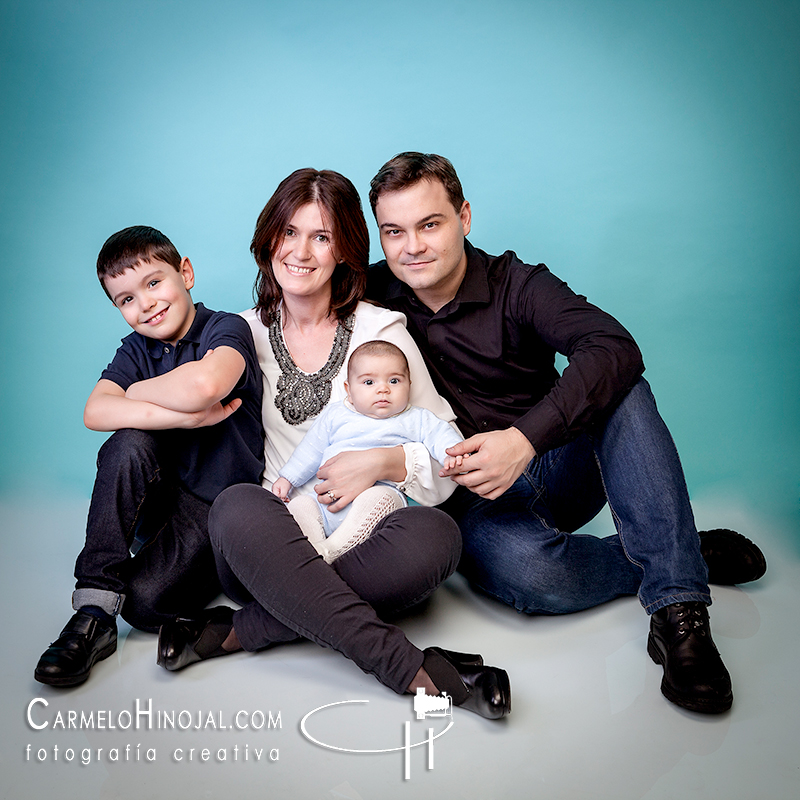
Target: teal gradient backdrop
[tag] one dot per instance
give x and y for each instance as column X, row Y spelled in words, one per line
column 646, row 151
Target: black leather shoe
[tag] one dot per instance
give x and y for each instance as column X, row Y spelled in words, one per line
column 186, row 640
column 731, row 557
column 694, row 675
column 85, row 640
column 486, row 691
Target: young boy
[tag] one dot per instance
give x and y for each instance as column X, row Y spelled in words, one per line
column 375, row 414
column 183, row 394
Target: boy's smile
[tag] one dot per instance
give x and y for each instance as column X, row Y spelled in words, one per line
column 154, row 298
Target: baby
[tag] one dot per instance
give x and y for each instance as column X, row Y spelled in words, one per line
column 375, row 414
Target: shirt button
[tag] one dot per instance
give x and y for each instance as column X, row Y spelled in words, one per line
column 166, row 349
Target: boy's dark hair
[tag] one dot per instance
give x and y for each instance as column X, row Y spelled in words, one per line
column 377, row 347
column 341, row 213
column 407, row 169
column 128, row 247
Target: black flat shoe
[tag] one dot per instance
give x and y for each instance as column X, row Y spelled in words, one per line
column 485, row 691
column 186, row 640
column 694, row 675
column 731, row 557
column 85, row 640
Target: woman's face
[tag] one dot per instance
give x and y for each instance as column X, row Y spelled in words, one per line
column 306, row 257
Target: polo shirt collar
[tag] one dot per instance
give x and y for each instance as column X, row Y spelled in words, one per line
column 155, row 347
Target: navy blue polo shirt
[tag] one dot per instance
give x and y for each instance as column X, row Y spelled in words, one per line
column 208, row 459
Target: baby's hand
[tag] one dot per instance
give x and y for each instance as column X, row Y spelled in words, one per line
column 454, row 462
column 281, row 489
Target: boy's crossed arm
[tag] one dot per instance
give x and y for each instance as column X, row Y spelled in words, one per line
column 188, row 396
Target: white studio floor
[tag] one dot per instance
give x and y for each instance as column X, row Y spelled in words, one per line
column 588, row 718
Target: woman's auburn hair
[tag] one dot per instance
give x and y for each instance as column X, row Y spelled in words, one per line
column 341, row 211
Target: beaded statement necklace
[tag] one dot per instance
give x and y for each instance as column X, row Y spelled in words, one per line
column 301, row 396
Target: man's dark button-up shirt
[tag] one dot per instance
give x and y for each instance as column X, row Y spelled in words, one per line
column 491, row 350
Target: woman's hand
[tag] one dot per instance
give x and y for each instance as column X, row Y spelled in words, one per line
column 348, row 474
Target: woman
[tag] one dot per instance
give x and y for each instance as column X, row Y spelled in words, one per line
column 312, row 248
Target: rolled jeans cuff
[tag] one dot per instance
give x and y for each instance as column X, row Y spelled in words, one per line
column 680, row 597
column 108, row 601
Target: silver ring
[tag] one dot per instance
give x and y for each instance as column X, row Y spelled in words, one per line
column 331, row 495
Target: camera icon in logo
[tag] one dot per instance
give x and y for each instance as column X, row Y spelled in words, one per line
column 426, row 705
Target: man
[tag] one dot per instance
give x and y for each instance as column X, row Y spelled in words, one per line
column 548, row 451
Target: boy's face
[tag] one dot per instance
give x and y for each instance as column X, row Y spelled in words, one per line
column 378, row 386
column 154, row 298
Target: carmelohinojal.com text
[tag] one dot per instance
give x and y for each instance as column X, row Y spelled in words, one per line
column 143, row 717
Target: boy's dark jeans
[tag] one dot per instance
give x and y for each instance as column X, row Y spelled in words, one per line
column 137, row 494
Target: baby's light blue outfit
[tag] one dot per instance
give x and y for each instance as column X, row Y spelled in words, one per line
column 339, row 428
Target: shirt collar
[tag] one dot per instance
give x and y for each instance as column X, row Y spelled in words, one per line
column 155, row 347
column 475, row 286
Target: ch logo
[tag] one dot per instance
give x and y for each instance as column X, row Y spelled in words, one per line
column 424, row 706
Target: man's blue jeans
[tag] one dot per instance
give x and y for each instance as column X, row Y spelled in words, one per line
column 522, row 549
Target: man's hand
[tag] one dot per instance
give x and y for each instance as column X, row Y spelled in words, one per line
column 496, row 460
column 348, row 474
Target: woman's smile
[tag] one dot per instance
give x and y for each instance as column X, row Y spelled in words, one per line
column 307, row 250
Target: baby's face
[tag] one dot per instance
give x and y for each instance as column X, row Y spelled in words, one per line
column 378, row 386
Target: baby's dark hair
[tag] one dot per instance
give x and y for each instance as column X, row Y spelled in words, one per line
column 128, row 247
column 377, row 347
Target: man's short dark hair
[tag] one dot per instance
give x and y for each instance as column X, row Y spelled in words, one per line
column 407, row 169
column 130, row 246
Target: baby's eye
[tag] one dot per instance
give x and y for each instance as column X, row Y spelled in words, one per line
column 153, row 283
column 368, row 382
column 394, row 380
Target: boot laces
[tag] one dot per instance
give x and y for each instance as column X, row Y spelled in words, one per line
column 691, row 620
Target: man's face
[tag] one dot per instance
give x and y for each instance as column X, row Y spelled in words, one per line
column 422, row 237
